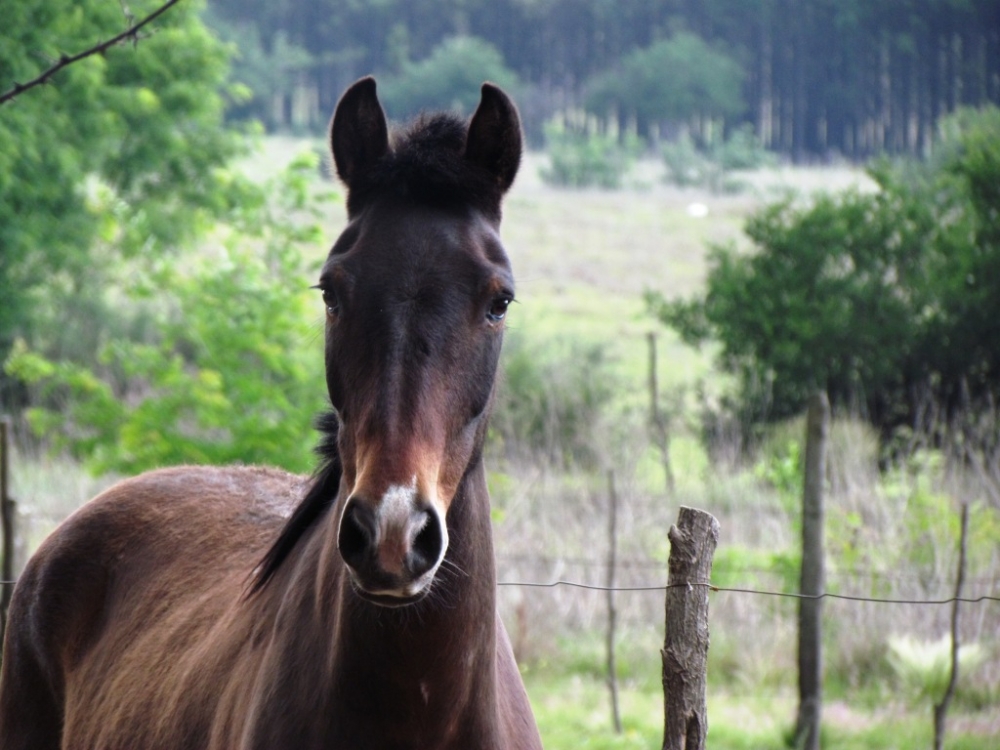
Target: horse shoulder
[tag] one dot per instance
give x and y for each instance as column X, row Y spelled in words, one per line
column 132, row 579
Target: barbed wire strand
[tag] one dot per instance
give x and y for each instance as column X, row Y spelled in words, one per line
column 713, row 587
column 730, row 589
column 850, row 572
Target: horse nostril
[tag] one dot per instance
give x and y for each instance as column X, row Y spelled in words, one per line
column 426, row 546
column 358, row 532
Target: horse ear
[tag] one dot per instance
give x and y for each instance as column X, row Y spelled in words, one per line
column 359, row 135
column 494, row 141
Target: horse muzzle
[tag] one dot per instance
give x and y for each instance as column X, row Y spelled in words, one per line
column 394, row 547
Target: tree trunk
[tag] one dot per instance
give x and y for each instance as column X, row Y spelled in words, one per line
column 7, row 519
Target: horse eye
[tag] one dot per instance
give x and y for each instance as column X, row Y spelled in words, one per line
column 498, row 309
column 331, row 302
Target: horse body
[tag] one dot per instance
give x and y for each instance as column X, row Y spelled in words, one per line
column 243, row 607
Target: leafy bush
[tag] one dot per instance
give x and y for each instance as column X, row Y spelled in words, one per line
column 783, row 470
column 742, row 150
column 739, row 566
column 583, row 159
column 687, row 165
column 236, row 371
column 550, row 400
column 924, row 669
column 880, row 298
column 122, row 154
column 671, row 80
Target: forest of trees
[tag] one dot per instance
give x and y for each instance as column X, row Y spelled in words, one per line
column 817, row 77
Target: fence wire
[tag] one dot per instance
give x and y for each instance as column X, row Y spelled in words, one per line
column 732, row 590
column 757, row 592
column 655, row 565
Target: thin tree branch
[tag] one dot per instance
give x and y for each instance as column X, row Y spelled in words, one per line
column 65, row 60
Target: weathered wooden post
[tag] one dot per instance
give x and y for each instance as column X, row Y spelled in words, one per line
column 616, row 719
column 812, row 581
column 685, row 646
column 7, row 520
column 941, row 709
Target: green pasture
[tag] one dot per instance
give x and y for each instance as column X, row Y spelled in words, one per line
column 583, row 260
column 574, row 712
column 572, row 705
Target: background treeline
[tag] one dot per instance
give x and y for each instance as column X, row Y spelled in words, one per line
column 814, row 77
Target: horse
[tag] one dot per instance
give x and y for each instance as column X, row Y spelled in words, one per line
column 246, row 608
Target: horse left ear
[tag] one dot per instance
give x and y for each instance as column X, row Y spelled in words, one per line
column 494, row 141
column 359, row 135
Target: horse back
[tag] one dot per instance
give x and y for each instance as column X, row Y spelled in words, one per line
column 137, row 601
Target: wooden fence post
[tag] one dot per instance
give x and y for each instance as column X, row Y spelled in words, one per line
column 7, row 520
column 812, row 578
column 659, row 422
column 612, row 611
column 941, row 709
column 685, row 646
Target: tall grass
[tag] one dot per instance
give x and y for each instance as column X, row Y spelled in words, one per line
column 577, row 409
column 892, row 533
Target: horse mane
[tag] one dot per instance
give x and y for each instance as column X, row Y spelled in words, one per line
column 426, row 162
column 320, row 498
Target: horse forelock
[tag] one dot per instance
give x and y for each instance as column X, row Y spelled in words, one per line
column 426, row 163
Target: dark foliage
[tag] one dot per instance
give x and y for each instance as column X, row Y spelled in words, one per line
column 855, row 77
column 888, row 300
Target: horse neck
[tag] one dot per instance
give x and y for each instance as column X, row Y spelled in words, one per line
column 438, row 656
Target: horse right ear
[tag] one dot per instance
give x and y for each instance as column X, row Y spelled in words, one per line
column 494, row 141
column 359, row 135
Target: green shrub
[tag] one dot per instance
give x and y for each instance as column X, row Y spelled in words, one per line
column 686, row 165
column 924, row 669
column 235, row 372
column 742, row 150
column 585, row 160
column 876, row 297
column 550, row 400
column 744, row 567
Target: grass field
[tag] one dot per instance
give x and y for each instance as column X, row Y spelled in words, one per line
column 583, row 259
column 573, row 712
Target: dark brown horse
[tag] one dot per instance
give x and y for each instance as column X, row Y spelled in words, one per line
column 231, row 608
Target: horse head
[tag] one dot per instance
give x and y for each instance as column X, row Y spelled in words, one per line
column 416, row 290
